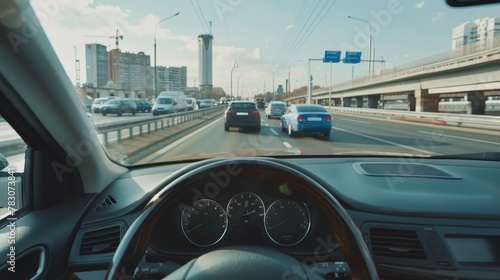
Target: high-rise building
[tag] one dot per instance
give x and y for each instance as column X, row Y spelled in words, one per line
column 96, row 64
column 172, row 78
column 135, row 71
column 479, row 30
column 205, row 62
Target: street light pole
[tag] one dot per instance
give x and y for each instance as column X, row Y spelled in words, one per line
column 309, row 79
column 156, row 72
column 370, row 38
column 238, row 86
column 234, row 66
column 289, row 85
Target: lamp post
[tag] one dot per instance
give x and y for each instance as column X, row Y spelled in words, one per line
column 289, row 69
column 234, row 66
column 309, row 79
column 156, row 72
column 238, row 87
column 370, row 44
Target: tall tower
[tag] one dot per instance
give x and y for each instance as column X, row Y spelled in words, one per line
column 205, row 64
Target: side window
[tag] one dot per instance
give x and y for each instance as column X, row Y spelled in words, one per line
column 12, row 151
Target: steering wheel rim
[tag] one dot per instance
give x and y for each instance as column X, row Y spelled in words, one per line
column 136, row 240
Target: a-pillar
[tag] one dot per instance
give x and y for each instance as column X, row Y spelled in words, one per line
column 477, row 102
column 373, row 101
column 346, row 101
column 425, row 102
column 359, row 101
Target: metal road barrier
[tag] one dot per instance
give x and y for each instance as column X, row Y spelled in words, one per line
column 459, row 120
column 116, row 132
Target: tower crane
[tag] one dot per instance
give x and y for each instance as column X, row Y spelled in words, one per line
column 115, row 69
column 117, row 38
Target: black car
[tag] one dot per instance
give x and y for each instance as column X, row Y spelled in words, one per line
column 242, row 114
column 118, row 106
column 142, row 106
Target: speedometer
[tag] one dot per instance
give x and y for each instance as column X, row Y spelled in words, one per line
column 245, row 208
column 204, row 222
column 287, row 222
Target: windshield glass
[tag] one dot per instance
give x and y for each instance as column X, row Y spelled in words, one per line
column 310, row 109
column 398, row 77
column 164, row 101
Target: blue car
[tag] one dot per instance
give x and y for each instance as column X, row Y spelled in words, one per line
column 307, row 118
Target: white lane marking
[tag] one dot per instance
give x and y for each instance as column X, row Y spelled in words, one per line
column 462, row 138
column 161, row 153
column 385, row 141
column 274, row 132
column 352, row 120
column 287, row 145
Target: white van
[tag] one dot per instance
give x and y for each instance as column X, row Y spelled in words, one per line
column 169, row 102
column 191, row 103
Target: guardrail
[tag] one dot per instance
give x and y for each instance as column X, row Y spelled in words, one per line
column 130, row 129
column 460, row 120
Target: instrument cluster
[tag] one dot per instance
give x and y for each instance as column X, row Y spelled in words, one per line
column 285, row 221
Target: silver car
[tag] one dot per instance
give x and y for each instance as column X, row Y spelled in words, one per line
column 275, row 109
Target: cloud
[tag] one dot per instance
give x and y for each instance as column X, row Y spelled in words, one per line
column 438, row 16
column 290, row 26
column 420, row 5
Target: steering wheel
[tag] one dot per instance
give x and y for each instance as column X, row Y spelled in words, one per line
column 243, row 262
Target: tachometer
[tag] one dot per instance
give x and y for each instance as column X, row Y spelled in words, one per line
column 287, row 222
column 245, row 208
column 204, row 222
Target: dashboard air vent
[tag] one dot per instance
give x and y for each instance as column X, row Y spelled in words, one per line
column 396, row 243
column 108, row 201
column 100, row 241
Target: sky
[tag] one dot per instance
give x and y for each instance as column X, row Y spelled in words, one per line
column 267, row 39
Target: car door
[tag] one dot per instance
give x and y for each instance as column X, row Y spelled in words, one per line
column 34, row 243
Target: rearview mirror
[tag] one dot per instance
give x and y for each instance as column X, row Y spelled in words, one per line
column 463, row 3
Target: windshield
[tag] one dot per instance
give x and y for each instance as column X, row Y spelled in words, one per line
column 406, row 78
column 278, row 105
column 310, row 109
column 164, row 101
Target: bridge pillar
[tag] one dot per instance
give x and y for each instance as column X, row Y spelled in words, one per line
column 373, row 101
column 347, row 101
column 478, row 102
column 425, row 102
column 359, row 101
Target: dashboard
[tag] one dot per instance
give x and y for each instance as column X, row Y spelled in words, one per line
column 419, row 219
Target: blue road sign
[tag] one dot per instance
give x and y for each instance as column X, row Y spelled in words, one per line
column 352, row 57
column 332, row 56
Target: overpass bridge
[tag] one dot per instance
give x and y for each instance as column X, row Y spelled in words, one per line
column 470, row 74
